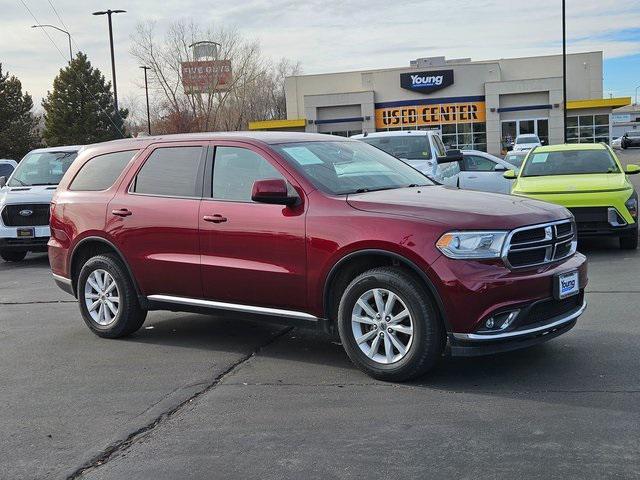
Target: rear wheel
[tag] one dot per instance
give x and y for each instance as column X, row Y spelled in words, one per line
column 13, row 255
column 388, row 325
column 108, row 299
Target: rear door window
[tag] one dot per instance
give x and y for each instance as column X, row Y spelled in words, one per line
column 171, row 172
column 101, row 172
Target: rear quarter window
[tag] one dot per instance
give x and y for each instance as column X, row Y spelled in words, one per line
column 101, row 172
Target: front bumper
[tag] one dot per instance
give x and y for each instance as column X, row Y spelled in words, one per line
column 473, row 291
column 9, row 239
column 475, row 344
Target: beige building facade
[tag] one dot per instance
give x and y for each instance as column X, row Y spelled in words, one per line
column 473, row 104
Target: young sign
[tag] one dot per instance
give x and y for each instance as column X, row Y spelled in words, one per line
column 426, row 82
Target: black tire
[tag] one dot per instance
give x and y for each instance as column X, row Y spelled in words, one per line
column 13, row 255
column 427, row 344
column 130, row 315
column 630, row 242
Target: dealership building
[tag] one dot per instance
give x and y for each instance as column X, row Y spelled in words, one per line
column 473, row 104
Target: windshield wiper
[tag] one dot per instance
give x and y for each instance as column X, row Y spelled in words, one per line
column 21, row 182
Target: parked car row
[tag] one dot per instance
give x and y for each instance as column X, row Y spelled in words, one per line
column 330, row 233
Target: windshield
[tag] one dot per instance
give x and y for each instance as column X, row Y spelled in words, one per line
column 527, row 139
column 515, row 160
column 42, row 168
column 350, row 167
column 411, row 148
column 570, row 163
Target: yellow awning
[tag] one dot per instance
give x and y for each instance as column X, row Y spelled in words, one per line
column 599, row 103
column 273, row 124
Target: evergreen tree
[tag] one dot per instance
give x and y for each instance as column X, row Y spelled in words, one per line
column 17, row 123
column 80, row 110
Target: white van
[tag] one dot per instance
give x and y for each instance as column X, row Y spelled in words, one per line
column 25, row 197
column 422, row 149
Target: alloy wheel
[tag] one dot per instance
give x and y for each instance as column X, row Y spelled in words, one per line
column 382, row 326
column 101, row 297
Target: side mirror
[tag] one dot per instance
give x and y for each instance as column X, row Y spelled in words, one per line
column 3, row 181
column 451, row 156
column 630, row 170
column 510, row 175
column 499, row 168
column 273, row 191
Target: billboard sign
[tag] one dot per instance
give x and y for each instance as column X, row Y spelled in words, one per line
column 426, row 82
column 206, row 76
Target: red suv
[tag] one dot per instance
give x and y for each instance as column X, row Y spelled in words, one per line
column 313, row 230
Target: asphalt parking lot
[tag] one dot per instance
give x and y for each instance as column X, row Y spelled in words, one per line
column 192, row 396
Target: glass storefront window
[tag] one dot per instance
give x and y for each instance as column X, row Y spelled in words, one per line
column 592, row 128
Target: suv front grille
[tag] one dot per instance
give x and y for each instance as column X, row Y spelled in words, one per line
column 540, row 244
column 39, row 215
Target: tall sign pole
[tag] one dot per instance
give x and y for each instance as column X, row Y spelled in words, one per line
column 564, row 70
column 113, row 61
column 146, row 91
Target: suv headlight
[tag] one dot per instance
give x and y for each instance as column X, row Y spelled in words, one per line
column 472, row 245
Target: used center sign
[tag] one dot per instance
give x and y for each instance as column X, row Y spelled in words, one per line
column 430, row 115
column 426, row 82
column 206, row 76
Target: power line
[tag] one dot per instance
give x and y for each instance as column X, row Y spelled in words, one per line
column 70, row 68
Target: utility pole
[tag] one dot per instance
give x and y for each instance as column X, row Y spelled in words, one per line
column 564, row 70
column 146, row 91
column 113, row 61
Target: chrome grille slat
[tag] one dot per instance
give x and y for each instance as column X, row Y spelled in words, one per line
column 553, row 238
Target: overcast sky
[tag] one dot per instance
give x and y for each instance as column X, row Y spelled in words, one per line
column 331, row 35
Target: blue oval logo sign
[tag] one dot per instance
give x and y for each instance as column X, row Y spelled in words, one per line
column 25, row 213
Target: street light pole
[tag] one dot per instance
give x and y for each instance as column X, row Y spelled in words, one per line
column 637, row 94
column 113, row 61
column 564, row 70
column 146, row 90
column 60, row 30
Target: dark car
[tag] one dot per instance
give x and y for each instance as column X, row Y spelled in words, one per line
column 312, row 230
column 630, row 139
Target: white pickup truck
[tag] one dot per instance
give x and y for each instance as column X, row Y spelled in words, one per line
column 25, row 197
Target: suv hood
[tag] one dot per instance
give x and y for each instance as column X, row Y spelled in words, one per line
column 462, row 209
column 555, row 184
column 36, row 194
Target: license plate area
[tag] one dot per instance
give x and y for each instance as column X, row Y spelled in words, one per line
column 566, row 285
column 26, row 232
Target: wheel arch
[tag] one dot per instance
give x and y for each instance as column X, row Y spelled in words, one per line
column 89, row 247
column 354, row 263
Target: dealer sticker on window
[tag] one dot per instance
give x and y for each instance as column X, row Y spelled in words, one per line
column 567, row 284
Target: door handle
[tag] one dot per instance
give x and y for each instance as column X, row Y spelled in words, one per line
column 217, row 218
column 121, row 212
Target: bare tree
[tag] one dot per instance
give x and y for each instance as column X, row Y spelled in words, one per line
column 255, row 90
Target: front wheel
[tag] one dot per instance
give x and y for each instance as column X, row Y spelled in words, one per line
column 108, row 299
column 13, row 255
column 388, row 325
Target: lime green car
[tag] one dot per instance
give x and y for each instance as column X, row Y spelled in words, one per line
column 590, row 181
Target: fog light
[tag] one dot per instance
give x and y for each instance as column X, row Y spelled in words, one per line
column 509, row 320
column 501, row 321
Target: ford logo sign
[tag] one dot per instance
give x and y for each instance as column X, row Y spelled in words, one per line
column 25, row 213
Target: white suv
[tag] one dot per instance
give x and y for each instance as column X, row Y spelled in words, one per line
column 422, row 149
column 25, row 197
column 526, row 142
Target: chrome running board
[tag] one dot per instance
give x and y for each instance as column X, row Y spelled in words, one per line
column 234, row 307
